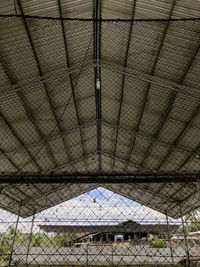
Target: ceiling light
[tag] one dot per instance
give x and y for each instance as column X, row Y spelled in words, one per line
column 98, row 84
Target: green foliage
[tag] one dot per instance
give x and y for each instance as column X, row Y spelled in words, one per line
column 5, row 244
column 62, row 239
column 190, row 227
column 192, row 224
column 36, row 240
column 193, row 217
column 158, row 243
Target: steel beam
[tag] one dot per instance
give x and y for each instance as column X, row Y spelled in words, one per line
column 44, row 83
column 14, row 178
column 149, row 191
column 23, row 194
column 149, row 138
column 123, row 78
column 181, row 201
column 169, row 237
column 131, row 163
column 6, row 122
column 51, row 171
column 53, row 137
column 3, row 152
column 107, row 124
column 164, row 84
column 192, row 154
column 147, row 93
column 172, row 99
column 70, row 77
column 185, row 238
column 128, row 72
column 15, row 233
column 30, row 239
column 55, row 74
column 100, row 20
column 26, row 107
column 97, row 72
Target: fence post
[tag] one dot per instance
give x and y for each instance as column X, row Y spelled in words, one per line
column 112, row 254
column 185, row 238
column 30, row 238
column 16, row 226
column 87, row 255
column 169, row 238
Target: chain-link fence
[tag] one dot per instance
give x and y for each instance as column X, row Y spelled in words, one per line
column 100, row 143
column 100, row 227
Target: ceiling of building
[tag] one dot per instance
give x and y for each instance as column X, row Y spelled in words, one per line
column 115, row 89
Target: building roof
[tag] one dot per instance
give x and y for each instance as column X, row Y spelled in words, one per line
column 190, row 235
column 99, row 97
column 117, row 228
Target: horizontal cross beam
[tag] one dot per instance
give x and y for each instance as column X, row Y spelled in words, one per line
column 66, row 178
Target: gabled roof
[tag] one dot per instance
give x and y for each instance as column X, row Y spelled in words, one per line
column 118, row 228
column 93, row 96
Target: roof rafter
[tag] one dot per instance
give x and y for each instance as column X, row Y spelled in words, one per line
column 123, row 77
column 149, row 138
column 71, row 78
column 6, row 122
column 74, row 161
column 97, row 72
column 131, row 163
column 44, row 83
column 25, row 106
column 148, row 89
column 142, row 76
column 53, row 137
column 107, row 124
column 197, row 110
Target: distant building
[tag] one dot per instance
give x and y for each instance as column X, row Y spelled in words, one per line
column 192, row 239
column 128, row 231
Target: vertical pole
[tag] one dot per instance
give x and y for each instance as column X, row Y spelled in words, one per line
column 169, row 237
column 87, row 254
column 112, row 254
column 30, row 238
column 13, row 243
column 101, row 238
column 185, row 238
column 198, row 189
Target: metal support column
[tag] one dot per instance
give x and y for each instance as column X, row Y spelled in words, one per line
column 169, row 238
column 97, row 73
column 30, row 238
column 198, row 189
column 16, row 226
column 185, row 239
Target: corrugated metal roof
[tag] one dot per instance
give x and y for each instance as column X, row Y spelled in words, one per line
column 145, row 228
column 149, row 101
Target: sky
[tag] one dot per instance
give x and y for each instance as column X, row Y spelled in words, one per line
column 96, row 207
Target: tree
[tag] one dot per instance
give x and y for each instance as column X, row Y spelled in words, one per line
column 192, row 220
column 158, row 243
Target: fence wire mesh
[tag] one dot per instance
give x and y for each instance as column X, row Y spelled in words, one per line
column 100, row 227
column 99, row 97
